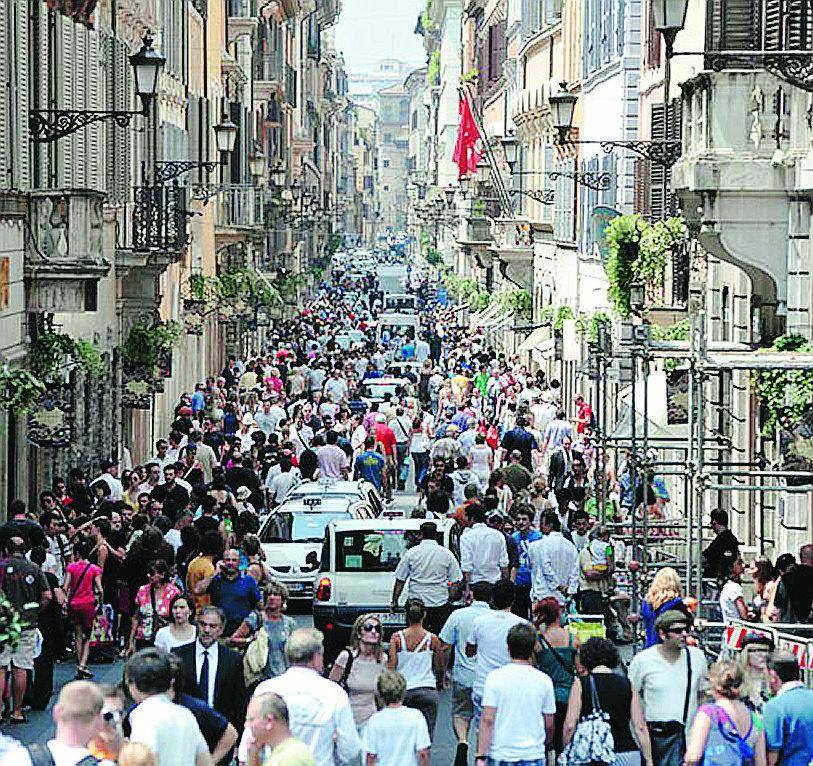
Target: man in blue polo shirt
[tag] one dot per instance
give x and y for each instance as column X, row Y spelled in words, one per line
column 523, row 537
column 788, row 717
column 236, row 594
column 371, row 466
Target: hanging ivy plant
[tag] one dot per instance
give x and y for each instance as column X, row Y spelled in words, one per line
column 677, row 331
column 434, row 258
column 146, row 343
column 638, row 251
column 90, row 358
column 51, row 351
column 519, row 301
column 598, row 320
column 19, row 390
column 785, row 395
column 563, row 313
column 433, row 69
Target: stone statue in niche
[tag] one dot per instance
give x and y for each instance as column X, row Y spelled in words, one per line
column 95, row 226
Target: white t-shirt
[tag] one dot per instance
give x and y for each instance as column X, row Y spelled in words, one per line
column 662, row 684
column 166, row 641
column 522, row 695
column 395, row 735
column 728, row 600
column 489, row 634
column 169, row 730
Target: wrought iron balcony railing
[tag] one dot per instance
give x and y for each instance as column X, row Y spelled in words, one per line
column 241, row 207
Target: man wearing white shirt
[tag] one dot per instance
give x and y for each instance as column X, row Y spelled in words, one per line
column 429, row 568
column 110, row 476
column 169, row 730
column 554, row 563
column 319, row 709
column 78, row 716
column 487, row 641
column 282, row 482
column 160, row 456
column 517, row 698
column 483, row 552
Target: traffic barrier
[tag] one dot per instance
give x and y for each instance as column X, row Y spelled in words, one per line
column 783, row 636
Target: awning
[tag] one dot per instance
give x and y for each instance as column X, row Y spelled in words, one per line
column 497, row 321
column 480, row 317
column 537, row 337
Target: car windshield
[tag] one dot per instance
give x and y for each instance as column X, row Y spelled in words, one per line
column 366, row 550
column 377, row 390
column 300, row 527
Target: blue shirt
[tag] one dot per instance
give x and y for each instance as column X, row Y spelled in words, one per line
column 788, row 720
column 237, row 598
column 370, row 466
column 524, row 568
column 198, row 402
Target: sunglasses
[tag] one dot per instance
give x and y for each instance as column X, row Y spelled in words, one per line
column 369, row 627
column 678, row 631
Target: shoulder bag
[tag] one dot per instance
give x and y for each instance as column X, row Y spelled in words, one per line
column 256, row 657
column 592, row 742
column 669, row 737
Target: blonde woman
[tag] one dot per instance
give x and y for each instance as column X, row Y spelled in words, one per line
column 358, row 667
column 753, row 662
column 725, row 731
column 664, row 594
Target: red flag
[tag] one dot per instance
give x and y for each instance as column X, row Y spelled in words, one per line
column 467, row 152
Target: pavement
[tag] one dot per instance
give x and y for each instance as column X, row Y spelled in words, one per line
column 40, row 726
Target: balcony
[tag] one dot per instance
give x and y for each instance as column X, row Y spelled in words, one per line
column 269, row 76
column 328, row 11
column 243, row 18
column 745, row 163
column 240, row 213
column 64, row 267
column 513, row 246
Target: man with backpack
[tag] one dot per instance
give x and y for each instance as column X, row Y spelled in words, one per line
column 78, row 717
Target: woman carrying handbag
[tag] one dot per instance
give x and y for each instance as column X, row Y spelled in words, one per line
column 83, row 586
column 604, row 713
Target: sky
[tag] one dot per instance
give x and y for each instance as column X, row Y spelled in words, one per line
column 371, row 30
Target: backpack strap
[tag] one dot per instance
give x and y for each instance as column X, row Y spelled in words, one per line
column 688, row 687
column 40, row 755
column 348, row 667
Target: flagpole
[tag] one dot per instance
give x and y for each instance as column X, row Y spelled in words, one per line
column 506, row 200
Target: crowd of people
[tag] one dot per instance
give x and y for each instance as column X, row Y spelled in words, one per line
column 160, row 563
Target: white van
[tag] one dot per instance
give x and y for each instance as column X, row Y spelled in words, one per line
column 401, row 303
column 407, row 325
column 292, row 537
column 357, row 573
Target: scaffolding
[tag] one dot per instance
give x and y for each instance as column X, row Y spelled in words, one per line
column 704, row 461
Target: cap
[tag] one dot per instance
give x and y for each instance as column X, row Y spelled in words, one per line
column 380, row 418
column 243, row 493
column 671, row 617
column 757, row 639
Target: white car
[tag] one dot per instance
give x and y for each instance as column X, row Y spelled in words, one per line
column 293, row 535
column 373, row 389
column 357, row 573
column 332, row 488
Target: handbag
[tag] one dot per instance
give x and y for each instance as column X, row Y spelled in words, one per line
column 256, row 657
column 592, row 742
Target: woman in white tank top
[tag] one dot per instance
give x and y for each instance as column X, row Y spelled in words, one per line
column 417, row 655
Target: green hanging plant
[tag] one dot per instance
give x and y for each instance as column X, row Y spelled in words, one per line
column 90, row 358
column 677, row 331
column 434, row 258
column 146, row 343
column 596, row 321
column 517, row 300
column 563, row 313
column 433, row 69
column 19, row 390
column 785, row 395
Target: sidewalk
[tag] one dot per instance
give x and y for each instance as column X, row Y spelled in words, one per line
column 40, row 726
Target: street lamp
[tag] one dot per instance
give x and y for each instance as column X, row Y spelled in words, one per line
column 563, row 106
column 256, row 162
column 510, row 147
column 669, row 17
column 48, row 125
column 483, row 171
column 449, row 192
column 147, row 65
column 225, row 137
column 637, row 297
column 464, row 186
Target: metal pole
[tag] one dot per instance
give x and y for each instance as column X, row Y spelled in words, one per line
column 633, row 483
column 700, row 469
column 645, row 445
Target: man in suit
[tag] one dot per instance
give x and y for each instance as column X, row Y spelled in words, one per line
column 561, row 465
column 214, row 672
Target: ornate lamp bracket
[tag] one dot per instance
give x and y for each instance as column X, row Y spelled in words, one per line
column 595, row 181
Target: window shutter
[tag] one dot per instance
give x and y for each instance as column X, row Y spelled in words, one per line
column 656, row 171
column 66, row 54
column 5, row 100
column 96, row 133
column 22, row 152
column 642, row 184
column 733, row 24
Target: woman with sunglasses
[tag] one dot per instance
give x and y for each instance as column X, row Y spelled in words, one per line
column 358, row 667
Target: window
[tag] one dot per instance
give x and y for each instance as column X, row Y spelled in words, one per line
column 372, row 550
column 386, row 188
column 725, row 313
column 386, row 163
column 388, row 138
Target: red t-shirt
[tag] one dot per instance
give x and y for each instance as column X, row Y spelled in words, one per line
column 385, row 435
column 81, row 590
column 585, row 413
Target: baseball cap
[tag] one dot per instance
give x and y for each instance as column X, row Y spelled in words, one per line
column 670, row 618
